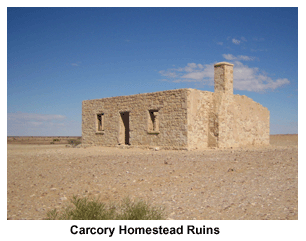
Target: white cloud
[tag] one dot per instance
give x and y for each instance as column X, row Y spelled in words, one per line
column 246, row 58
column 76, row 64
column 236, row 41
column 239, row 57
column 35, row 123
column 31, row 124
column 19, row 116
column 220, row 43
column 245, row 78
column 229, row 56
column 252, row 79
column 168, row 73
column 190, row 73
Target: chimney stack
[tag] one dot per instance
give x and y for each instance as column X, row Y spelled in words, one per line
column 223, row 72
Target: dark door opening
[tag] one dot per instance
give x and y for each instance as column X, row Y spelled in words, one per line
column 125, row 117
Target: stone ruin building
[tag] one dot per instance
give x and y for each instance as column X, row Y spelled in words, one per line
column 183, row 119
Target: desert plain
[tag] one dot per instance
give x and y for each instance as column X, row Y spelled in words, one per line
column 250, row 183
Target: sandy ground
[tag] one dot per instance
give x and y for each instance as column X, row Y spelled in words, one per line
column 252, row 183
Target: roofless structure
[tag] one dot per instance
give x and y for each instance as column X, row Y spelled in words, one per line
column 178, row 119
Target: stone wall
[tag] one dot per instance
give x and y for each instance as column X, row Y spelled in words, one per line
column 252, row 122
column 242, row 122
column 199, row 107
column 170, row 107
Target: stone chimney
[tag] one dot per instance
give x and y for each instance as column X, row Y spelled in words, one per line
column 221, row 118
column 224, row 78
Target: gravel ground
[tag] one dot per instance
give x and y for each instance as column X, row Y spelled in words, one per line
column 249, row 183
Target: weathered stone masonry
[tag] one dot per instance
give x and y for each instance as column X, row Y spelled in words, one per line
column 178, row 119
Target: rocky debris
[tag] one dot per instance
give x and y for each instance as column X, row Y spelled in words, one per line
column 257, row 183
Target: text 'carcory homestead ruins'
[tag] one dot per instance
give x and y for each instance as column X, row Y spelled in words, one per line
column 178, row 119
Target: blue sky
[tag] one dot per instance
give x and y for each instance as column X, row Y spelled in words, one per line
column 58, row 57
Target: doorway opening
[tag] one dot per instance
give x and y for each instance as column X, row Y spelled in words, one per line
column 124, row 133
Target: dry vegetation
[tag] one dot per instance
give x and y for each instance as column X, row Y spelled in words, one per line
column 253, row 183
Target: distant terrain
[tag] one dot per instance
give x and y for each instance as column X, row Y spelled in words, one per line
column 41, row 140
column 281, row 139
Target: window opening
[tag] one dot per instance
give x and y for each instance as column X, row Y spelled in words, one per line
column 100, row 120
column 153, row 125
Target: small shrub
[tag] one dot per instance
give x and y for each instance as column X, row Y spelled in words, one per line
column 52, row 142
column 93, row 209
column 52, row 215
column 139, row 210
column 56, row 140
